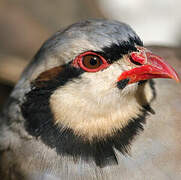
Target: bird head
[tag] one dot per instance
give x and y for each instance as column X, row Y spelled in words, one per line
column 91, row 80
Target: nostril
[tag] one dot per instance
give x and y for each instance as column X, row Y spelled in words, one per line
column 138, row 58
column 134, row 62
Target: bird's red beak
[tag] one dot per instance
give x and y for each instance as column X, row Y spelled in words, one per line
column 148, row 66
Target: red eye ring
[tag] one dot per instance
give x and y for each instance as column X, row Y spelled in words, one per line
column 79, row 61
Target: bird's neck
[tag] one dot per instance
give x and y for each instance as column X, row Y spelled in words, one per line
column 98, row 115
column 40, row 122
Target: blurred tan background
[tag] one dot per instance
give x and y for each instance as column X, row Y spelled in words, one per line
column 26, row 24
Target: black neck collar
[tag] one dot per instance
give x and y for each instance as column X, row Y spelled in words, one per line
column 39, row 123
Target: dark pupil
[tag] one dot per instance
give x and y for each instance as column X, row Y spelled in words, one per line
column 93, row 61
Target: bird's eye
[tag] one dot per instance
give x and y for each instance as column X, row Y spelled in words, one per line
column 91, row 61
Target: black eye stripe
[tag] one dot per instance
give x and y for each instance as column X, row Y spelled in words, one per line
column 115, row 52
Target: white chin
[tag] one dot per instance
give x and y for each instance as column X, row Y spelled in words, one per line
column 130, row 88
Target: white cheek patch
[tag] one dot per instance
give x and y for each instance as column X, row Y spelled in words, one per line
column 93, row 106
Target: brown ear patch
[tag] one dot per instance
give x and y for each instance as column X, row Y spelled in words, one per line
column 47, row 76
